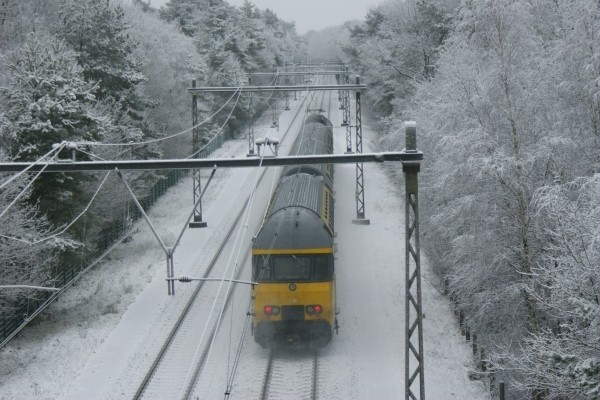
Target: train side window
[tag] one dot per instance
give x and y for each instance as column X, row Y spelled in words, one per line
column 323, row 270
column 262, row 269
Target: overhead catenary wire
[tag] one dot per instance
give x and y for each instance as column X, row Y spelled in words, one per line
column 52, row 289
column 273, row 81
column 222, row 126
column 63, row 230
column 196, row 365
column 60, row 147
column 206, row 120
column 57, row 149
column 232, row 370
column 90, row 154
column 231, row 269
column 228, row 268
column 81, row 214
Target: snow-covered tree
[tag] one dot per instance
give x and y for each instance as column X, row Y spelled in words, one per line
column 564, row 358
column 18, row 18
column 508, row 126
column 396, row 46
column 27, row 258
column 48, row 101
column 170, row 61
column 183, row 14
column 233, row 41
column 100, row 37
column 104, row 47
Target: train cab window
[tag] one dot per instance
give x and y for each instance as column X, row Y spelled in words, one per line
column 291, row 268
column 323, row 270
column 261, row 269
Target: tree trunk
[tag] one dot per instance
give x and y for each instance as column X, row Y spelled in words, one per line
column 522, row 202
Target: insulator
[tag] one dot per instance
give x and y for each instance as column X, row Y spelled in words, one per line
column 185, row 278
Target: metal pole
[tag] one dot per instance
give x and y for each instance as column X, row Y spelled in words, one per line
column 167, row 251
column 360, row 182
column 346, row 121
column 197, row 223
column 287, row 101
column 170, row 273
column 250, row 124
column 413, row 306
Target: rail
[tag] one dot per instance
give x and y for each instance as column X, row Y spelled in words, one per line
column 191, row 303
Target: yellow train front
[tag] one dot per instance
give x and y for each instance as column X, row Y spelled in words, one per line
column 292, row 254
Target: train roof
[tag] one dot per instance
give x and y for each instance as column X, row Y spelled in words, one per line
column 300, row 190
column 295, row 229
column 320, row 118
column 300, row 213
column 314, row 138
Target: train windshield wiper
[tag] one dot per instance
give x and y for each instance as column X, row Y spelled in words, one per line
column 297, row 259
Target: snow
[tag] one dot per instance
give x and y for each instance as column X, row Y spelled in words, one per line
column 98, row 339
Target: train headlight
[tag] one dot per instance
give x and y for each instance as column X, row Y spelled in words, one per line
column 314, row 309
column 271, row 310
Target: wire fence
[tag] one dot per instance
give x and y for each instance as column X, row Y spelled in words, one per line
column 113, row 233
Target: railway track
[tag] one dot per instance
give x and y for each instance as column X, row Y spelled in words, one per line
column 291, row 375
column 181, row 355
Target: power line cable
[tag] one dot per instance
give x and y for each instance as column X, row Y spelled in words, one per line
column 163, row 138
column 228, row 290
column 223, row 279
column 232, row 371
column 67, row 226
column 91, row 155
column 239, row 92
column 234, row 265
column 31, row 165
column 60, row 147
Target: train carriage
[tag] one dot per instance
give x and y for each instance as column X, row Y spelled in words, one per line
column 292, row 254
column 316, row 138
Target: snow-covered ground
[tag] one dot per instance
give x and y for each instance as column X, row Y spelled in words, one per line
column 98, row 339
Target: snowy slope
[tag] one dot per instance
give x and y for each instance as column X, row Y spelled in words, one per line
column 98, row 339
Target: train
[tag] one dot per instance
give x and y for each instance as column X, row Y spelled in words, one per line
column 294, row 297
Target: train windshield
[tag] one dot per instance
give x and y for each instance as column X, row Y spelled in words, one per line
column 282, row 268
column 291, row 268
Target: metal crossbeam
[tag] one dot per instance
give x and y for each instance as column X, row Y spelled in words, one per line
column 403, row 156
column 287, row 88
column 294, row 73
column 414, row 388
column 313, row 65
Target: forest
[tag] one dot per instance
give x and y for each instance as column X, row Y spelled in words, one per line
column 112, row 77
column 505, row 93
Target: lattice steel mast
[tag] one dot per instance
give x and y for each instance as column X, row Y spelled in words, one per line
column 197, row 222
column 360, row 183
column 413, row 307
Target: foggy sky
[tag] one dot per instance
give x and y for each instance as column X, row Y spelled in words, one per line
column 309, row 14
